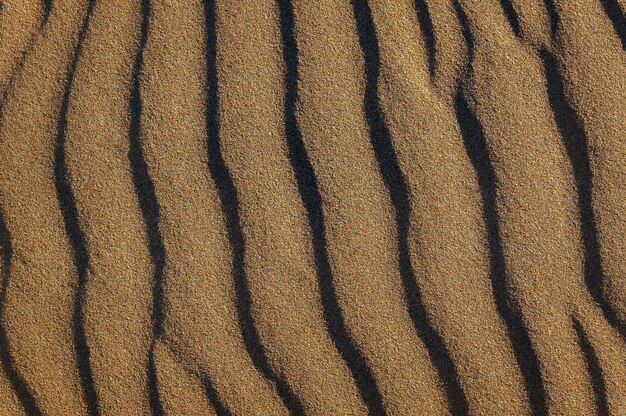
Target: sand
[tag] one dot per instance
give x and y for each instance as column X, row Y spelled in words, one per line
column 326, row 207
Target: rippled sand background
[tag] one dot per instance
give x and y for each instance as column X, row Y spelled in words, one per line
column 320, row 207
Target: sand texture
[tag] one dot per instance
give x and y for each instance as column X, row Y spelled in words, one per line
column 312, row 207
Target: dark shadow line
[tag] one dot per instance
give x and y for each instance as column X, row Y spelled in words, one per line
column 594, row 369
column 149, row 206
column 617, row 17
column 428, row 33
column 507, row 307
column 209, row 390
column 22, row 59
column 312, row 200
column 229, row 200
column 156, row 407
column 22, row 391
column 611, row 9
column 571, row 129
column 47, row 7
column 511, row 16
column 396, row 185
column 554, row 17
column 214, row 399
column 466, row 31
column 78, row 243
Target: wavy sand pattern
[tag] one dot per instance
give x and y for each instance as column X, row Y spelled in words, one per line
column 331, row 207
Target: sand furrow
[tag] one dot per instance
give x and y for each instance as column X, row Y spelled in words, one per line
column 229, row 200
column 593, row 367
column 609, row 350
column 507, row 304
column 119, row 273
column 16, row 397
column 451, row 49
column 20, row 23
column 508, row 8
column 396, row 186
column 598, row 145
column 312, row 200
column 427, row 29
column 587, row 123
column 272, row 207
column 615, row 10
column 73, row 229
column 447, row 235
column 148, row 205
column 534, row 22
column 361, row 232
column 182, row 392
column 40, row 318
column 279, row 262
column 536, row 200
column 201, row 309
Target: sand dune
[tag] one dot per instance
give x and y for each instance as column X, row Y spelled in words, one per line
column 326, row 207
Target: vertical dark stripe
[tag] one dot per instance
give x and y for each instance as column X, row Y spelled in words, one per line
column 47, row 6
column 618, row 19
column 74, row 233
column 594, row 369
column 511, row 16
column 20, row 387
column 428, row 34
column 149, row 206
column 465, row 30
column 214, row 398
column 571, row 128
column 396, row 185
column 230, row 208
column 22, row 59
column 312, row 200
column 506, row 305
column 22, row 391
column 553, row 15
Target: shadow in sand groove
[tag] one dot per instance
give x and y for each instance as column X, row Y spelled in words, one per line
column 20, row 387
column 312, row 200
column 22, row 59
column 230, row 207
column 74, row 233
column 428, row 33
column 594, row 369
column 149, row 207
column 214, row 399
column 511, row 16
column 398, row 192
column 617, row 17
column 476, row 148
column 571, row 129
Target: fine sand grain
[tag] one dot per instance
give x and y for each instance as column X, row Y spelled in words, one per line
column 332, row 207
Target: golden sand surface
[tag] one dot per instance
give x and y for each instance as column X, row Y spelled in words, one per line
column 299, row 207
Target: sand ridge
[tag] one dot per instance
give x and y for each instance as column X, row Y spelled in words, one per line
column 293, row 207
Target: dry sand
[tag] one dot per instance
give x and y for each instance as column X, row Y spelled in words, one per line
column 254, row 207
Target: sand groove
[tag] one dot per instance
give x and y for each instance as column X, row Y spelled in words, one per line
column 271, row 207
